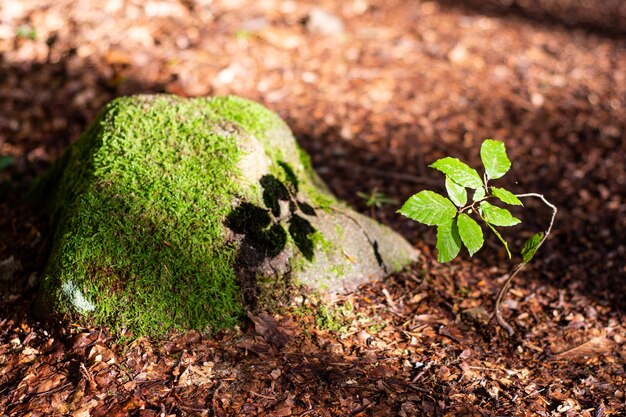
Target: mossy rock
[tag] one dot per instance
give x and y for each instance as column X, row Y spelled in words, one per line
column 173, row 213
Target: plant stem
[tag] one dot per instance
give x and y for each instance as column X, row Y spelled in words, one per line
column 473, row 204
column 505, row 287
column 503, row 290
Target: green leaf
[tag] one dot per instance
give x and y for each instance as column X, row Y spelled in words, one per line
column 479, row 194
column 471, row 233
column 496, row 215
column 530, row 247
column 506, row 245
column 506, row 196
column 448, row 241
column 458, row 172
column 5, row 161
column 493, row 155
column 429, row 208
column 456, row 192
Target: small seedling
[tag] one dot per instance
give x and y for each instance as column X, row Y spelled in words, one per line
column 455, row 216
column 376, row 199
column 26, row 32
column 243, row 35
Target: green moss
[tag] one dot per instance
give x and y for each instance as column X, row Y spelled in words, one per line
column 334, row 317
column 132, row 195
column 290, row 176
column 374, row 323
column 261, row 122
column 341, row 233
column 321, row 243
column 327, row 318
column 251, row 116
column 338, row 270
column 314, row 184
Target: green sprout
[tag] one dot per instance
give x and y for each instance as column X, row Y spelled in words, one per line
column 375, row 200
column 243, row 35
column 26, row 32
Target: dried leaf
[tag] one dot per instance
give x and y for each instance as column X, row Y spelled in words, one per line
column 50, row 383
column 595, row 346
column 99, row 353
column 197, row 375
column 453, row 333
column 84, row 411
column 282, row 411
column 275, row 333
column 257, row 345
column 428, row 319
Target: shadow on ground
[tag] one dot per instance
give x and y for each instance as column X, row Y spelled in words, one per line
column 605, row 18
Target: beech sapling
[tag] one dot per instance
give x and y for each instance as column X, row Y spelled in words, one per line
column 458, row 217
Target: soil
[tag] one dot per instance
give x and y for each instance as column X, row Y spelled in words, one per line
column 374, row 98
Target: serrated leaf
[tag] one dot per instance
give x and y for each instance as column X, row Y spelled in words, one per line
column 448, row 241
column 506, row 196
column 479, row 194
column 458, row 172
column 456, row 192
column 471, row 233
column 495, row 160
column 506, row 245
column 429, row 208
column 497, row 216
column 530, row 247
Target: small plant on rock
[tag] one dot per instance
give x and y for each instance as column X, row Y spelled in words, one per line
column 456, row 216
column 375, row 200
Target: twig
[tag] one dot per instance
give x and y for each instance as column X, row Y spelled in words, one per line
column 421, row 374
column 505, row 287
column 55, row 389
column 390, row 302
column 188, row 408
column 262, row 396
column 93, row 386
column 214, row 399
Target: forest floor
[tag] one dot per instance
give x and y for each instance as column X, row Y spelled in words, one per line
column 374, row 98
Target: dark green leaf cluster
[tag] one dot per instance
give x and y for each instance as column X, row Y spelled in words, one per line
column 456, row 217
